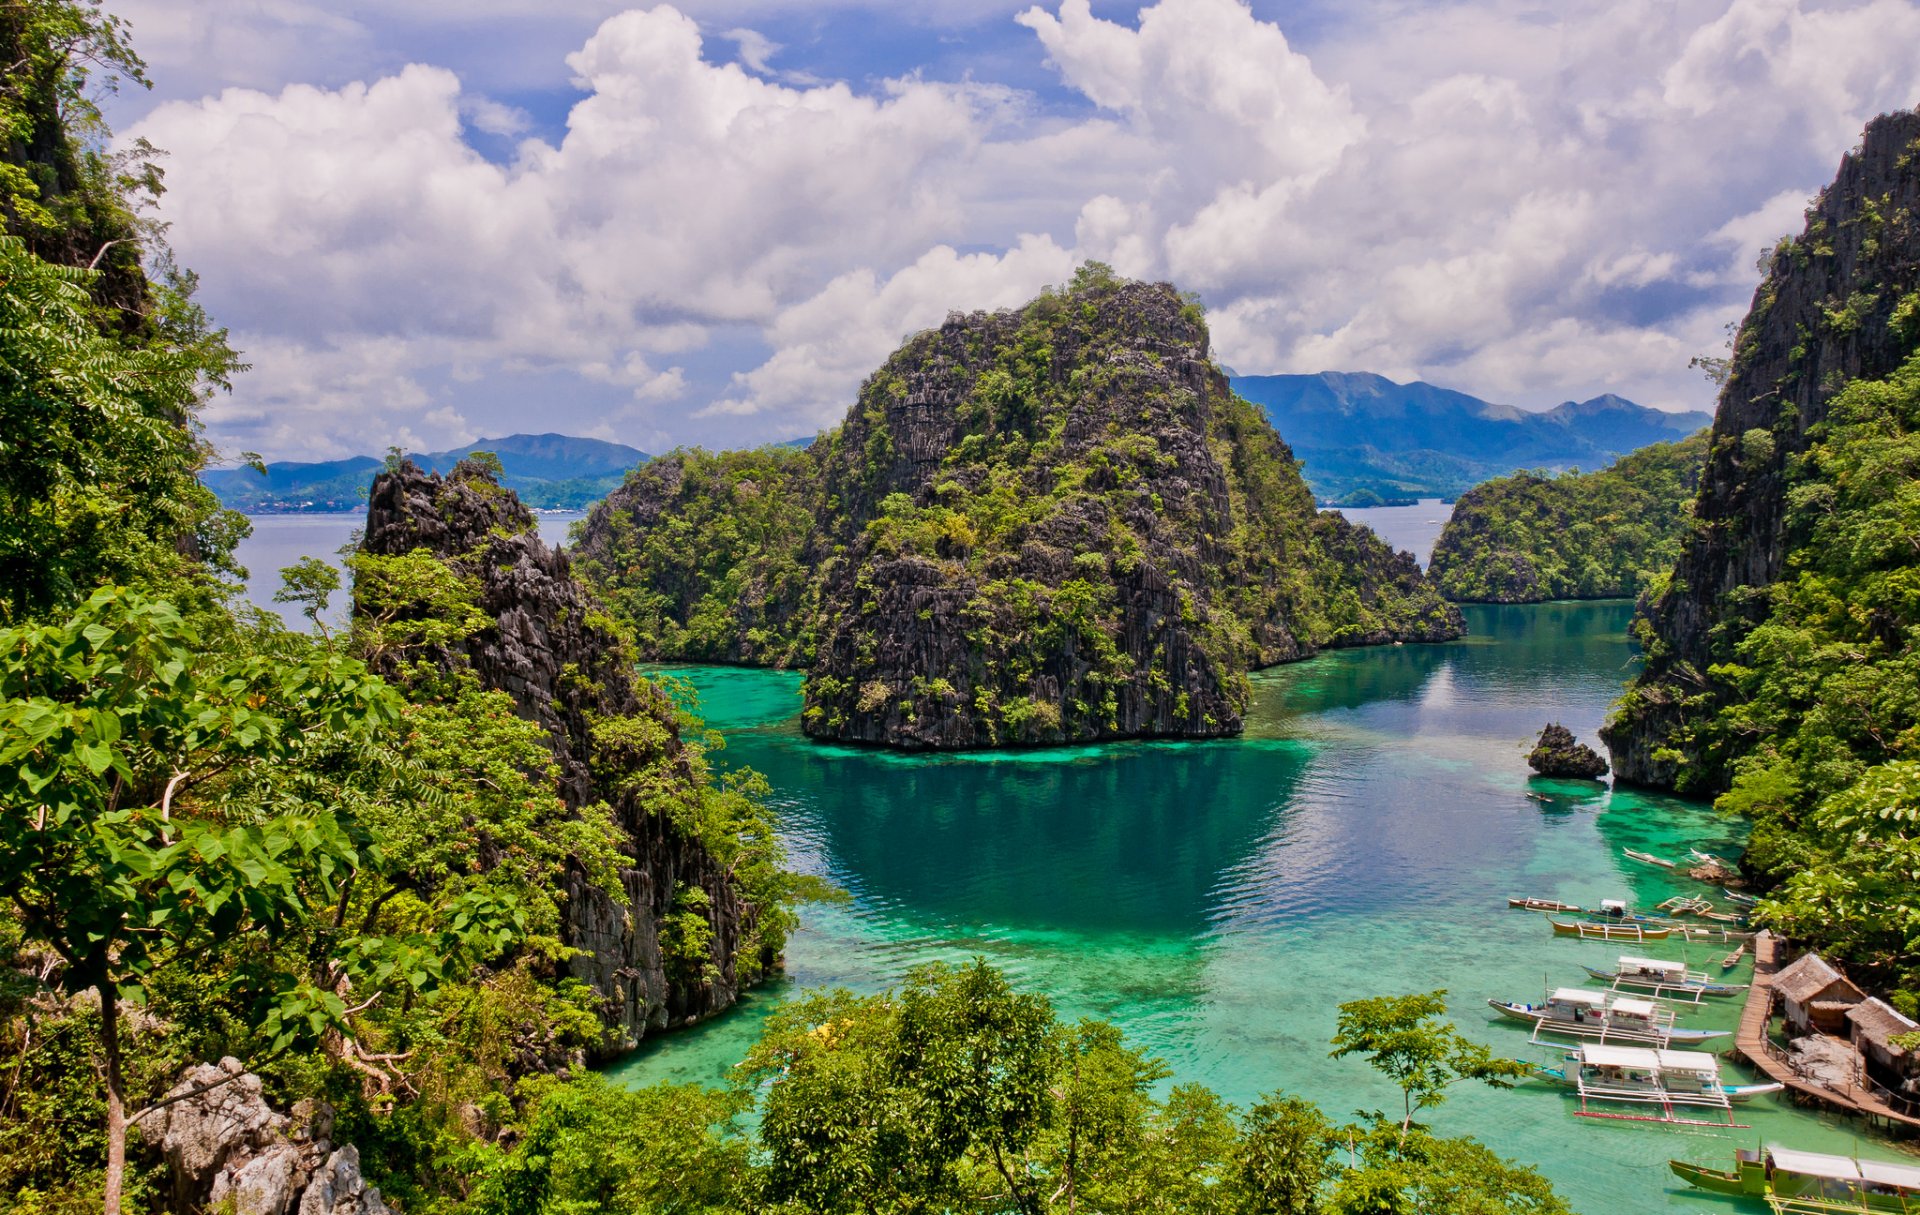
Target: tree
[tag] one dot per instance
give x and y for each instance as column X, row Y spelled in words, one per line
column 1405, row 1041
column 310, row 583
column 1282, row 1161
column 117, row 850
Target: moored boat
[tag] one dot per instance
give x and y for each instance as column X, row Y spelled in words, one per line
column 1663, row 978
column 1738, row 1094
column 1738, row 899
column 1606, row 931
column 1649, row 858
column 1530, row 904
column 1787, row 1179
column 1672, row 1085
column 1579, row 1013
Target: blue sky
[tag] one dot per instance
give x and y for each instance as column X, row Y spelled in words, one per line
column 432, row 221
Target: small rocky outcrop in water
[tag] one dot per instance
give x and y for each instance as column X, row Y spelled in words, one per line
column 553, row 650
column 1043, row 525
column 1559, row 754
column 227, row 1149
column 1829, row 312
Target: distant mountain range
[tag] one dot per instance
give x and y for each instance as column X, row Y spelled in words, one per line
column 549, row 472
column 1364, row 437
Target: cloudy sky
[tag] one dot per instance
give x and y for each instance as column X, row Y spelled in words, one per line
column 428, row 221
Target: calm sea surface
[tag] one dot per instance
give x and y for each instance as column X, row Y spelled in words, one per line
column 1413, row 528
column 280, row 540
column 1218, row 900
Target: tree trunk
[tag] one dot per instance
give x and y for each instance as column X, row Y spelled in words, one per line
column 116, row 1099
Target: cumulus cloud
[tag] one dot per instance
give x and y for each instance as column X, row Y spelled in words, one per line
column 1529, row 205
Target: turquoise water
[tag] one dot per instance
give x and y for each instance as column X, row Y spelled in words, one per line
column 1219, row 899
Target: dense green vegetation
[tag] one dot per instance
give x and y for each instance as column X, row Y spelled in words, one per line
column 1600, row 535
column 221, row 838
column 1815, row 711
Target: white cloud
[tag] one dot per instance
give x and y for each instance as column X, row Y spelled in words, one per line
column 1518, row 201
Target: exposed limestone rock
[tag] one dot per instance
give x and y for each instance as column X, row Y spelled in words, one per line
column 1043, row 525
column 1824, row 316
column 226, row 1148
column 1558, row 754
column 552, row 650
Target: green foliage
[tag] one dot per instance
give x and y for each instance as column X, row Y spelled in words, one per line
column 1814, row 707
column 588, row 1147
column 97, row 460
column 1405, row 1041
column 1607, row 534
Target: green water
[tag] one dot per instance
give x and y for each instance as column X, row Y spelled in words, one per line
column 1219, row 899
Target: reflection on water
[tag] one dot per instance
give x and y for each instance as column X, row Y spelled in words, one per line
column 1218, row 900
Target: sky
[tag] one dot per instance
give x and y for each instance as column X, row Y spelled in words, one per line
column 431, row 221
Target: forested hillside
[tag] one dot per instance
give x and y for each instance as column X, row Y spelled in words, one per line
column 1598, row 535
column 1781, row 665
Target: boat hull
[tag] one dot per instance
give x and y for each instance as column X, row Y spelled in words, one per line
column 1609, row 932
column 1711, row 989
column 1719, row 1181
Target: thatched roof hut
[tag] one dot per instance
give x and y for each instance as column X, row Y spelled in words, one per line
column 1815, row 996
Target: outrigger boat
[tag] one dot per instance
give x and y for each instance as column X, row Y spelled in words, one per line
column 1708, row 858
column 1738, row 1094
column 1679, row 1082
column 1738, row 899
column 1791, row 1181
column 1542, row 905
column 1576, row 1012
column 1605, row 931
column 1650, row 859
column 1672, row 980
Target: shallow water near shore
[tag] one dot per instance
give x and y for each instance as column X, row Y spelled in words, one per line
column 1218, row 900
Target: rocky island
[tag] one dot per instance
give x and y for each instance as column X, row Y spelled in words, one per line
column 1044, row 525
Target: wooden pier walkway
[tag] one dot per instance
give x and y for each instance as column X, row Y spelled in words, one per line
column 1752, row 1044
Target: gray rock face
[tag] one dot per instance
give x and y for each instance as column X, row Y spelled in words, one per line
column 1822, row 318
column 1558, row 754
column 550, row 650
column 226, row 1148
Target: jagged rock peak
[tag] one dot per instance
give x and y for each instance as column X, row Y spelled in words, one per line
column 1042, row 525
column 553, row 649
column 1558, row 753
column 1823, row 317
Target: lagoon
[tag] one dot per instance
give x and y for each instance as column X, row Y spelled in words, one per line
column 1218, row 899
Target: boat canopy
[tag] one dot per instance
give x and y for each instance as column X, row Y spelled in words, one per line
column 1814, row 1164
column 1900, row 1176
column 1653, row 966
column 1634, row 1008
column 1691, row 1062
column 1619, row 1056
column 1578, row 995
column 1617, row 906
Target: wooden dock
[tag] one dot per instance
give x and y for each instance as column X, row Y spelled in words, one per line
column 1752, row 1044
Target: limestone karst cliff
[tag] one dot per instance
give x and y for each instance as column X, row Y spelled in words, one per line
column 1041, row 525
column 1829, row 312
column 551, row 647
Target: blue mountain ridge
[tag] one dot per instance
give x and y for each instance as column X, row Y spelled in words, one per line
column 548, row 471
column 1363, row 436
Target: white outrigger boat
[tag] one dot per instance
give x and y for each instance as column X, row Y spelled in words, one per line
column 1576, row 1012
column 1669, row 980
column 1738, row 1094
column 1681, row 1083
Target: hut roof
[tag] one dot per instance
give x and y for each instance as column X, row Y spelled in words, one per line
column 1877, row 1022
column 1808, row 976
